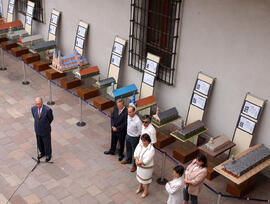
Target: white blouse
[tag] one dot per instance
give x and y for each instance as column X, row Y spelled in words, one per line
column 145, row 154
column 174, row 189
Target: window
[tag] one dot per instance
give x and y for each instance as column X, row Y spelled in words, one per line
column 38, row 11
column 154, row 26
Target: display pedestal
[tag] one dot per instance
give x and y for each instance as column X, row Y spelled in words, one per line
column 241, row 189
column 164, row 140
column 70, row 83
column 102, row 103
column 7, row 45
column 88, row 92
column 185, row 152
column 211, row 164
column 3, row 39
column 53, row 74
column 30, row 57
column 19, row 51
column 42, row 65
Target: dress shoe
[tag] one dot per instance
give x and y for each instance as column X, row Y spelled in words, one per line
column 125, row 162
column 133, row 169
column 120, row 158
column 109, row 152
column 40, row 156
column 48, row 158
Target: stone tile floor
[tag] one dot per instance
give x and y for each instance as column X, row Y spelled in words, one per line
column 81, row 173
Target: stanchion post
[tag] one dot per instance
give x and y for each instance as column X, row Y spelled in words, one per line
column 50, row 102
column 25, row 82
column 81, row 123
column 219, row 199
column 162, row 180
column 2, row 68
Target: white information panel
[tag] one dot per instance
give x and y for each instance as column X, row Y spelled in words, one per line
column 28, row 20
column 149, row 79
column 12, row 1
column 54, row 19
column 202, row 87
column 198, row 101
column 30, row 10
column 251, row 110
column 81, row 31
column 1, row 8
column 118, row 48
column 79, row 42
column 10, row 8
column 151, row 66
column 246, row 125
column 52, row 29
column 115, row 60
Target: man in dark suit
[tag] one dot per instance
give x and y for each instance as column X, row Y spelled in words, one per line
column 119, row 128
column 43, row 118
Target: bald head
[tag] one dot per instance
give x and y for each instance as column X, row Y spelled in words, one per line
column 39, row 102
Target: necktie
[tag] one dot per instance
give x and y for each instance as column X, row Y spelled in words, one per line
column 39, row 113
column 119, row 112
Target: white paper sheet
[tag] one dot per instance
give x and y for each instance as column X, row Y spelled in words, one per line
column 202, row 87
column 251, row 110
column 52, row 29
column 10, row 8
column 54, row 19
column 148, row 79
column 81, row 31
column 118, row 48
column 79, row 42
column 12, row 1
column 28, row 20
column 115, row 60
column 246, row 125
column 151, row 66
column 30, row 10
column 198, row 101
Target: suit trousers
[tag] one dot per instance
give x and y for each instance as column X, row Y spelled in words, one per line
column 44, row 144
column 131, row 144
column 193, row 198
column 114, row 139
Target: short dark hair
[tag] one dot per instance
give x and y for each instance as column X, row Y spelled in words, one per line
column 179, row 170
column 146, row 137
column 132, row 107
column 147, row 117
column 202, row 158
column 120, row 100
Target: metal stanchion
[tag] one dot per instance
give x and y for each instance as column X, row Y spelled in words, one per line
column 162, row 180
column 219, row 199
column 25, row 82
column 2, row 68
column 81, row 123
column 50, row 102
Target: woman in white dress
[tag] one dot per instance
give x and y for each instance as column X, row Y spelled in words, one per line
column 144, row 158
column 175, row 186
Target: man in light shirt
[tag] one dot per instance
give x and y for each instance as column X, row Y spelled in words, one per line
column 148, row 128
column 134, row 127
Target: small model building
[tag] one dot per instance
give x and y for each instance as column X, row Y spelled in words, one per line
column 248, row 161
column 13, row 26
column 86, row 72
column 166, row 116
column 30, row 40
column 105, row 82
column 13, row 35
column 217, row 143
column 123, row 92
column 44, row 46
column 191, row 129
column 68, row 62
column 132, row 101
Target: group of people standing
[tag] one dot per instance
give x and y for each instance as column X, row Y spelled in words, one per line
column 139, row 138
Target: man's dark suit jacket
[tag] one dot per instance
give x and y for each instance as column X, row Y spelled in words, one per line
column 120, row 121
column 43, row 124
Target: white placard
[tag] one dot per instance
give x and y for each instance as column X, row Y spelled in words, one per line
column 52, row 29
column 54, row 19
column 198, row 101
column 79, row 42
column 12, row 1
column 151, row 66
column 81, row 31
column 30, row 10
column 1, row 8
column 251, row 110
column 115, row 60
column 118, row 48
column 149, row 79
column 202, row 87
column 10, row 8
column 28, row 20
column 246, row 125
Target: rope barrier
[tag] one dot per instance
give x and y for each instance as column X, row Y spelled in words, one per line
column 107, row 115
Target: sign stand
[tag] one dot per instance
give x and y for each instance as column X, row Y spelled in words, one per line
column 25, row 82
column 2, row 68
column 81, row 123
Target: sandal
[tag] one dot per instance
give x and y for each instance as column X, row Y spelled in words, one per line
column 144, row 195
column 139, row 190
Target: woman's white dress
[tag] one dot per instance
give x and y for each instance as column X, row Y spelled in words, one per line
column 175, row 189
column 146, row 155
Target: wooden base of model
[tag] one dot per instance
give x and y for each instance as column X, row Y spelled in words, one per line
column 164, row 139
column 88, row 92
column 41, row 65
column 242, row 189
column 30, row 57
column 3, row 39
column 53, row 74
column 19, row 51
column 70, row 83
column 185, row 152
column 8, row 45
column 102, row 103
